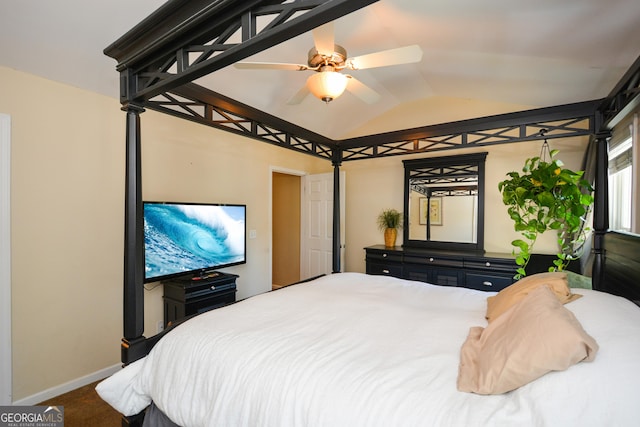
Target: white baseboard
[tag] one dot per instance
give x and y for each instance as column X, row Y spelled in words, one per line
column 68, row 386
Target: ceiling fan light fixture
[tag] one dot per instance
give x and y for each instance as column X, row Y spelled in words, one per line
column 327, row 85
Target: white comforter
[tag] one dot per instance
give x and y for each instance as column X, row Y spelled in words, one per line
column 359, row 350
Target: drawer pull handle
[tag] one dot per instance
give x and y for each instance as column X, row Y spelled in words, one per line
column 385, row 271
column 384, row 255
column 488, row 264
column 487, row 283
column 213, row 288
column 430, row 259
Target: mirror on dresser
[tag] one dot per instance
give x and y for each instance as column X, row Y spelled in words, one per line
column 444, row 202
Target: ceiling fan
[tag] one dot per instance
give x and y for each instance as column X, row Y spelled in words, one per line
column 328, row 59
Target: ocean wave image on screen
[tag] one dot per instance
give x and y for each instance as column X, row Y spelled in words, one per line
column 180, row 238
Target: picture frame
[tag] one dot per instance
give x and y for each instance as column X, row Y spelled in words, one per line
column 435, row 211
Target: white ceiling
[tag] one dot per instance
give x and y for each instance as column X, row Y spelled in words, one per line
column 480, row 57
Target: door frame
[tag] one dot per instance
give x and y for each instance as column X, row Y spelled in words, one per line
column 285, row 171
column 6, row 368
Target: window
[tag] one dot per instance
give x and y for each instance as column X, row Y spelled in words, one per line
column 620, row 186
column 623, row 180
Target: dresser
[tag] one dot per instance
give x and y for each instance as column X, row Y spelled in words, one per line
column 484, row 271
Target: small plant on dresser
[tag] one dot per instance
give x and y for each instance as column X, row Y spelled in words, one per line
column 389, row 221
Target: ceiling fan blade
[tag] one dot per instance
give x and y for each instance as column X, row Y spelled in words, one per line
column 270, row 66
column 401, row 55
column 323, row 39
column 299, row 96
column 361, row 90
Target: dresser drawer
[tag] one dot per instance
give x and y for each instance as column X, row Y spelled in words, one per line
column 484, row 281
column 394, row 270
column 434, row 261
column 384, row 256
column 502, row 265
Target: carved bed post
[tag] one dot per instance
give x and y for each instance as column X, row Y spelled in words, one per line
column 337, row 161
column 133, row 343
column 601, row 209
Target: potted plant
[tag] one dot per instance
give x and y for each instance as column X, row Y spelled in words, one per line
column 389, row 221
column 547, row 197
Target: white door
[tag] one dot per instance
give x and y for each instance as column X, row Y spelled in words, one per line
column 5, row 262
column 316, row 246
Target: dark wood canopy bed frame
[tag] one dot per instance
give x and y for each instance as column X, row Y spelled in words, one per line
column 187, row 39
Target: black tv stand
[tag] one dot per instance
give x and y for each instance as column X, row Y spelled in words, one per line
column 189, row 295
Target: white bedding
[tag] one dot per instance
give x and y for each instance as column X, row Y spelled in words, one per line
column 358, row 350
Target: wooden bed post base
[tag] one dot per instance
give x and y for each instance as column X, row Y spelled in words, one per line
column 133, row 349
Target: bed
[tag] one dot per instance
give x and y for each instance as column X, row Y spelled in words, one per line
column 362, row 350
column 156, row 74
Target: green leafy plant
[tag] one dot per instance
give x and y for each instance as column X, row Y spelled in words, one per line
column 389, row 218
column 547, row 197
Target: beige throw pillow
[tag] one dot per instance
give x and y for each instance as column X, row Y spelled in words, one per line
column 535, row 336
column 503, row 300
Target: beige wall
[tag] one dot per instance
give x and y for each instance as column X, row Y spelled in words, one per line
column 67, row 214
column 67, row 217
column 66, row 198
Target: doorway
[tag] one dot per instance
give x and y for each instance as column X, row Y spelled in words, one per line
column 285, row 268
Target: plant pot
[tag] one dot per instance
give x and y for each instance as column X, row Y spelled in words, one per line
column 390, row 235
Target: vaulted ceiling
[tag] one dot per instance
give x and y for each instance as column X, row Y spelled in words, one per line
column 479, row 58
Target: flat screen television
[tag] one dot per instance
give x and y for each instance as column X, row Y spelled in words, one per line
column 192, row 238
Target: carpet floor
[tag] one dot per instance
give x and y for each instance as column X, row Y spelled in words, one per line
column 84, row 408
